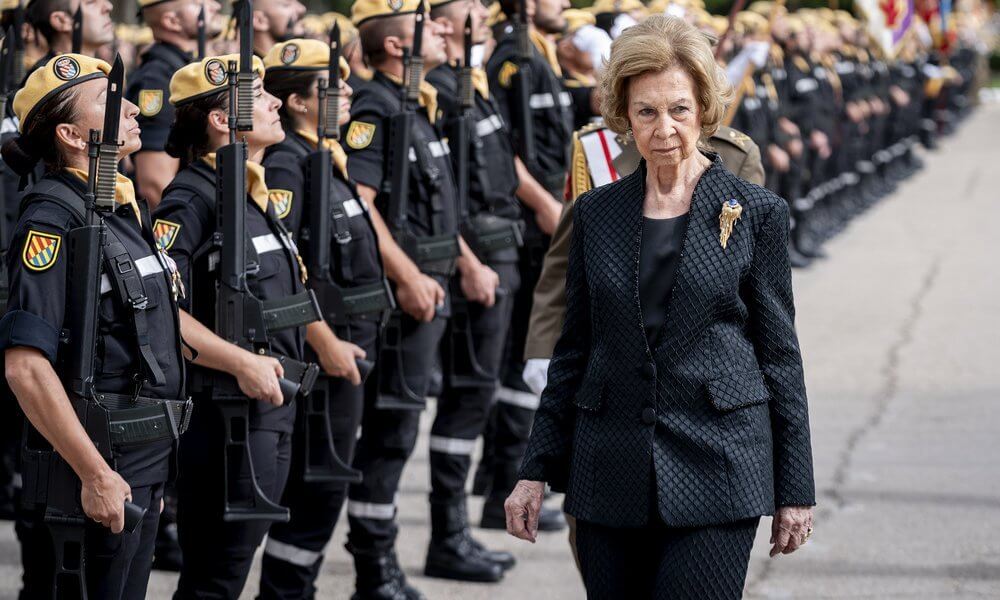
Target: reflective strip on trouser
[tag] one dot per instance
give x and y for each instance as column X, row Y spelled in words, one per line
column 518, row 398
column 447, row 445
column 371, row 510
column 297, row 556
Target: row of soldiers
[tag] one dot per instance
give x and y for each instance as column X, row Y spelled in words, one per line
column 463, row 128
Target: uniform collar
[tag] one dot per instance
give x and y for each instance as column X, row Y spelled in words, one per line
column 547, row 48
column 169, row 53
column 124, row 190
column 428, row 95
column 256, row 185
column 338, row 154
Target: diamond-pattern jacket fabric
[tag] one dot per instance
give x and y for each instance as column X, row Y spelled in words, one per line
column 711, row 424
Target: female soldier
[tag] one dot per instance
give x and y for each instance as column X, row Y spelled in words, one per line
column 57, row 108
column 294, row 550
column 217, row 554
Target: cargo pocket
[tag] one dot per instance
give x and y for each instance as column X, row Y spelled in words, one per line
column 737, row 391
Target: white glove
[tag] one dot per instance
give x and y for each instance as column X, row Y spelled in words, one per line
column 536, row 374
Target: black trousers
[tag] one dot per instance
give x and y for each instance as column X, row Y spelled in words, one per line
column 389, row 435
column 117, row 565
column 294, row 550
column 701, row 563
column 218, row 555
column 469, row 386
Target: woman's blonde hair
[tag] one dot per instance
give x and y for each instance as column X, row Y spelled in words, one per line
column 657, row 44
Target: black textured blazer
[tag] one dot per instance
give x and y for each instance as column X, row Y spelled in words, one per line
column 716, row 412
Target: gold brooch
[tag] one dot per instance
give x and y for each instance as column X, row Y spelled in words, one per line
column 731, row 212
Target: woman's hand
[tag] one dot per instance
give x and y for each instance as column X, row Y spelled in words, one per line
column 258, row 377
column 790, row 528
column 338, row 360
column 103, row 499
column 522, row 508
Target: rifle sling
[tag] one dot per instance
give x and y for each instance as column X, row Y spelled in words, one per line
column 122, row 273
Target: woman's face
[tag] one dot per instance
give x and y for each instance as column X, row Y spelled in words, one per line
column 91, row 97
column 664, row 115
column 266, row 121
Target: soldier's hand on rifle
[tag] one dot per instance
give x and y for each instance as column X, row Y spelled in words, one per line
column 479, row 283
column 339, row 360
column 258, row 377
column 419, row 296
column 103, row 497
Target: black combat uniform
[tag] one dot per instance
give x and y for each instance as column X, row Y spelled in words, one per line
column 293, row 553
column 474, row 347
column 552, row 121
column 149, row 87
column 217, row 555
column 408, row 357
column 139, row 369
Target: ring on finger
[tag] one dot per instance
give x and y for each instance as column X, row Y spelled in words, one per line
column 809, row 532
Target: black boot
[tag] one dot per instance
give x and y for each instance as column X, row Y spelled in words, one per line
column 452, row 553
column 378, row 577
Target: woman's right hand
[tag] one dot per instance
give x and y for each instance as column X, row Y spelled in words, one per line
column 103, row 499
column 522, row 508
column 258, row 376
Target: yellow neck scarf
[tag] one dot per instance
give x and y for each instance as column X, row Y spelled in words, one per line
column 256, row 185
column 428, row 95
column 124, row 190
column 338, row 154
column 548, row 50
column 481, row 83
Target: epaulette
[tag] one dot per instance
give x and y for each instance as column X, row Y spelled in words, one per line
column 733, row 137
column 801, row 63
column 579, row 181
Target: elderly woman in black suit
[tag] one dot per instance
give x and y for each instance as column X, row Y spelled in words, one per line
column 675, row 413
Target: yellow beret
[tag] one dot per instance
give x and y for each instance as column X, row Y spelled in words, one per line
column 60, row 73
column 302, row 55
column 141, row 4
column 205, row 77
column 366, row 10
column 8, row 4
column 576, row 18
column 437, row 3
column 753, row 23
column 616, row 6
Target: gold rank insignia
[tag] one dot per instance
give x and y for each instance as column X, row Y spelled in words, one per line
column 150, row 102
column 731, row 212
column 165, row 233
column 360, row 134
column 739, row 138
column 40, row 250
column 282, row 200
column 507, row 70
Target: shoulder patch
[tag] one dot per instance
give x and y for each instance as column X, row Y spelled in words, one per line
column 507, row 70
column 360, row 134
column 150, row 102
column 40, row 250
column 165, row 233
column 282, row 200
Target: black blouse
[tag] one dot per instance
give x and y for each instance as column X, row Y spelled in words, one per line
column 659, row 256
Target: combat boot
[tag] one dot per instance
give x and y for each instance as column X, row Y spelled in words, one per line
column 451, row 553
column 379, row 577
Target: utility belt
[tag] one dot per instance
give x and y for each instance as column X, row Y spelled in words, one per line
column 372, row 301
column 433, row 254
column 487, row 233
column 135, row 420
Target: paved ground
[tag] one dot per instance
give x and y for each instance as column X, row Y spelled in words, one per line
column 899, row 329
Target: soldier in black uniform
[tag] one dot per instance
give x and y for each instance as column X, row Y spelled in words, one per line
column 53, row 20
column 293, row 553
column 474, row 346
column 414, row 333
column 60, row 103
column 542, row 181
column 275, row 21
column 174, row 24
column 217, row 554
